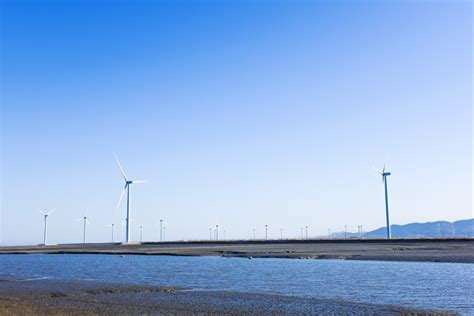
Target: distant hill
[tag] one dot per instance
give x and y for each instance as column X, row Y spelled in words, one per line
column 463, row 228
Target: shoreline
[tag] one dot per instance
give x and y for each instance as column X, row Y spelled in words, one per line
column 59, row 297
column 424, row 250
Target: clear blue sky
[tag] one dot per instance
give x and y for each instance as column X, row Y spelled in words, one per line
column 240, row 113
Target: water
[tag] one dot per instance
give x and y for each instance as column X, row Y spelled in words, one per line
column 448, row 286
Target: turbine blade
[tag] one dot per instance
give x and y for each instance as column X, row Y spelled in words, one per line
column 378, row 170
column 42, row 212
column 119, row 202
column 79, row 219
column 121, row 169
column 140, row 181
column 51, row 212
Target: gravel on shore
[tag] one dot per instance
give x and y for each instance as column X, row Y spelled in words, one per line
column 60, row 297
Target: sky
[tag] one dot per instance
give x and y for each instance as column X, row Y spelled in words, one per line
column 239, row 113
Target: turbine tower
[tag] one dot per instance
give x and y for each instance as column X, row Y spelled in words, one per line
column 385, row 174
column 126, row 188
column 45, row 214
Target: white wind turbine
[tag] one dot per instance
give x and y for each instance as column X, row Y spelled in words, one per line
column 86, row 222
column 112, row 226
column 45, row 232
column 127, row 188
column 385, row 174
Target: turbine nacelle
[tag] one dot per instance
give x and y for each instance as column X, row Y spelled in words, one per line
column 46, row 214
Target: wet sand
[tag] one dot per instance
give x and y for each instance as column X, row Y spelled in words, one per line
column 54, row 297
column 460, row 250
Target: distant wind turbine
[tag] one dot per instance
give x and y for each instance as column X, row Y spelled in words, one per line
column 86, row 222
column 126, row 188
column 112, row 226
column 45, row 214
column 160, row 224
column 385, row 174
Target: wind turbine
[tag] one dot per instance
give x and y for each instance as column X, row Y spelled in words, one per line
column 86, row 222
column 127, row 188
column 45, row 214
column 385, row 174
column 113, row 229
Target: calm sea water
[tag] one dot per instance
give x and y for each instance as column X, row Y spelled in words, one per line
column 416, row 284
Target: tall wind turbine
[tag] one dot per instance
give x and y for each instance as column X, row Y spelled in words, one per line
column 45, row 214
column 385, row 174
column 126, row 188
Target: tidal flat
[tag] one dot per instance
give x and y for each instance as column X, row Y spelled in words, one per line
column 55, row 297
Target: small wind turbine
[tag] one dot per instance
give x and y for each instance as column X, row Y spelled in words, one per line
column 126, row 188
column 45, row 231
column 141, row 233
column 385, row 174
column 306, row 227
column 161, row 230
column 86, row 222
column 160, row 224
column 266, row 232
column 112, row 226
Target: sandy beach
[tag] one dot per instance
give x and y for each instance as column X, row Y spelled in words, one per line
column 55, row 297
column 432, row 250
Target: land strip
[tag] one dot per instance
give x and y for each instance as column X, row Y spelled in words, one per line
column 432, row 250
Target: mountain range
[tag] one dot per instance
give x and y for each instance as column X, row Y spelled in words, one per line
column 462, row 228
